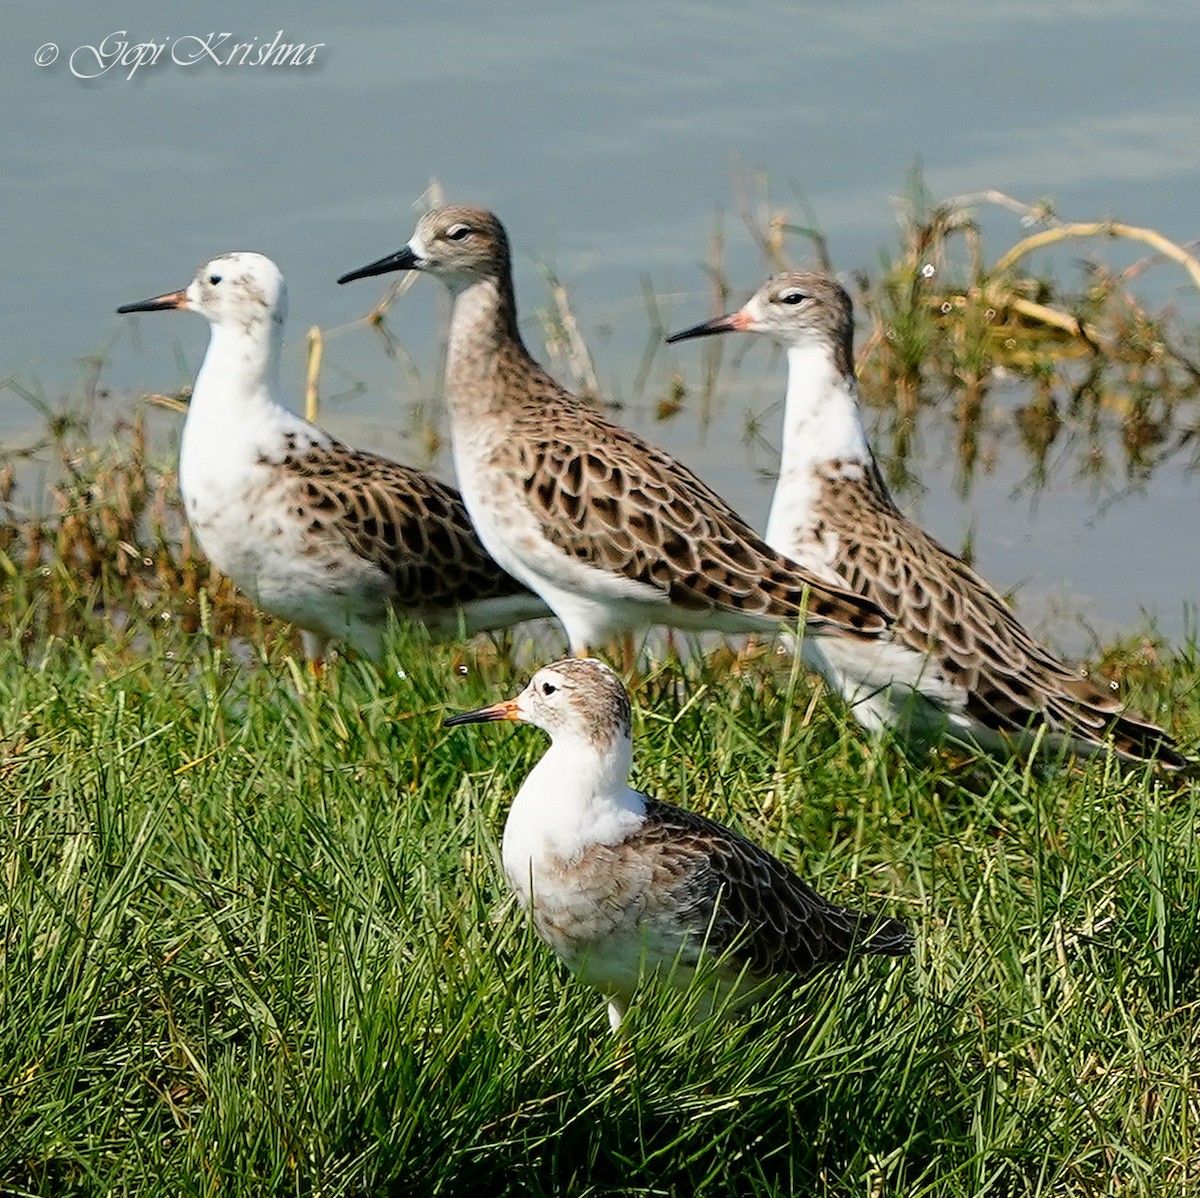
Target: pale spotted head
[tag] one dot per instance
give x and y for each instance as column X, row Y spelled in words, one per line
column 798, row 308
column 578, row 698
column 240, row 290
column 456, row 242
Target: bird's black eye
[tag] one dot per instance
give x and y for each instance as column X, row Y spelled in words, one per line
column 458, row 232
column 793, row 295
column 548, row 688
column 214, row 279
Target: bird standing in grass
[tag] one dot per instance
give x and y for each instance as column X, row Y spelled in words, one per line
column 327, row 537
column 621, row 885
column 983, row 679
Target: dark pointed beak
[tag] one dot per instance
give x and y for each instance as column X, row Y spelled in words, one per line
column 160, row 303
column 403, row 259
column 485, row 715
column 730, row 323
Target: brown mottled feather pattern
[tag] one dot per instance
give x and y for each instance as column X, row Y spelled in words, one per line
column 680, row 537
column 634, row 510
column 414, row 528
column 832, row 509
column 737, row 897
column 970, row 631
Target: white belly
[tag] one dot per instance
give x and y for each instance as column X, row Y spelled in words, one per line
column 249, row 530
column 594, row 605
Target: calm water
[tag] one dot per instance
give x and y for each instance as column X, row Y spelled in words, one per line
column 606, row 136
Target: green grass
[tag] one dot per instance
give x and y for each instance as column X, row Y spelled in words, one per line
column 255, row 935
column 256, row 940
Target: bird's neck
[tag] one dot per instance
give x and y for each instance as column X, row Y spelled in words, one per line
column 486, row 360
column 576, row 796
column 822, row 421
column 233, row 424
column 239, row 375
column 823, row 435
